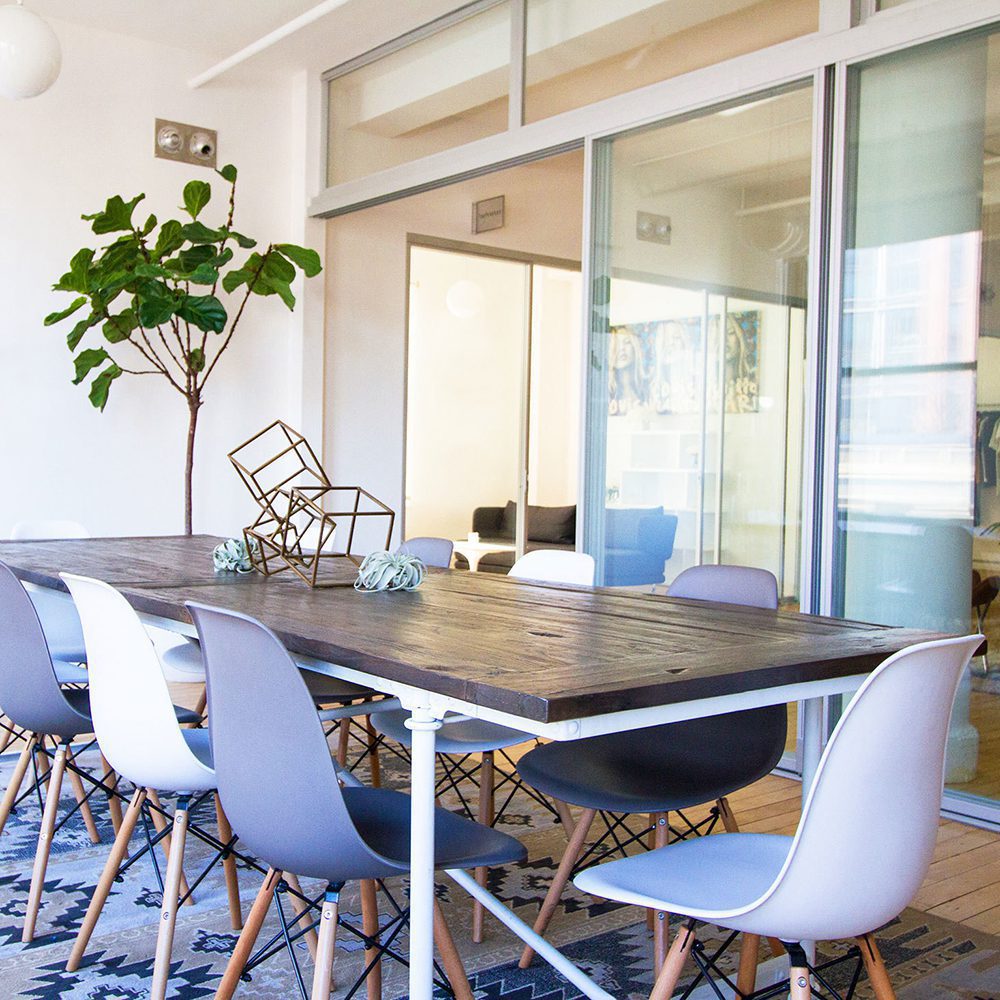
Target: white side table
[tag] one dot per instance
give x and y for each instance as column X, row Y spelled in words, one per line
column 474, row 551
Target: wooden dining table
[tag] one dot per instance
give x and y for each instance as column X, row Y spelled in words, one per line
column 560, row 662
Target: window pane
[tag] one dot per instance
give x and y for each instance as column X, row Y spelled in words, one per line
column 441, row 91
column 917, row 484
column 700, row 414
column 581, row 51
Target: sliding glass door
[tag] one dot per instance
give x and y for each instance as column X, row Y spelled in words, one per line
column 698, row 343
column 917, row 487
column 493, row 402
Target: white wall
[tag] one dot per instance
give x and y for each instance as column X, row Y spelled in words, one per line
column 367, row 298
column 65, row 152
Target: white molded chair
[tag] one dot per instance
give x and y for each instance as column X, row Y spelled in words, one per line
column 462, row 736
column 429, row 550
column 555, row 566
column 862, row 847
column 138, row 733
column 59, row 619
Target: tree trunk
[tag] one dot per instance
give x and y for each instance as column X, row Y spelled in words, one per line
column 193, row 407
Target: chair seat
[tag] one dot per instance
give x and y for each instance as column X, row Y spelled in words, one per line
column 185, row 659
column 80, row 700
column 382, row 818
column 70, row 672
column 326, row 689
column 469, row 736
column 61, row 625
column 199, row 743
column 714, row 878
column 674, row 766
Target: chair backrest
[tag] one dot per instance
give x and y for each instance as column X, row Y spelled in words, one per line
column 554, row 566
column 133, row 715
column 281, row 795
column 869, row 824
column 430, row 551
column 29, row 691
column 25, row 530
column 753, row 588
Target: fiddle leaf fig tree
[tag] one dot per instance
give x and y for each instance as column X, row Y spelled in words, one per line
column 165, row 298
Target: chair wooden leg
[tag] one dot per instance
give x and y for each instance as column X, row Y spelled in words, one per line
column 160, row 823
column 661, row 929
column 565, row 817
column 202, row 702
column 311, row 938
column 875, row 967
column 114, row 805
column 6, row 732
column 666, row 981
column 171, row 900
column 229, row 867
column 726, row 815
column 118, row 851
column 746, row 977
column 374, row 762
column 486, row 815
column 343, row 738
column 451, row 960
column 571, row 855
column 369, row 924
column 44, row 844
column 42, row 761
column 327, row 944
column 800, row 988
column 16, row 780
column 248, row 936
column 81, row 797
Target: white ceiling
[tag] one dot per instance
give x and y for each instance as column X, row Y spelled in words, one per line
column 219, row 28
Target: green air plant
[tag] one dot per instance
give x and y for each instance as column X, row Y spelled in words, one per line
column 152, row 295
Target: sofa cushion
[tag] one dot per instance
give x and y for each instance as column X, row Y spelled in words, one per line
column 545, row 524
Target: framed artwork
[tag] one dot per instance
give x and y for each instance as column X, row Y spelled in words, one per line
column 657, row 366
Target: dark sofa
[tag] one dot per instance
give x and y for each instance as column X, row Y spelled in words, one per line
column 638, row 540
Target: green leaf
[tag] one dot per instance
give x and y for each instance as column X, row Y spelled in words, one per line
column 205, row 311
column 116, row 217
column 198, row 232
column 86, row 361
column 57, row 317
column 196, row 197
column 244, row 241
column 75, row 279
column 145, row 270
column 171, row 238
column 277, row 268
column 118, row 328
column 191, row 258
column 75, row 335
column 306, row 260
column 227, row 173
column 196, row 360
column 101, row 385
column 148, row 226
column 203, row 274
column 154, row 310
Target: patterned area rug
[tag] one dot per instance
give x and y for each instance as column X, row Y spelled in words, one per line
column 928, row 957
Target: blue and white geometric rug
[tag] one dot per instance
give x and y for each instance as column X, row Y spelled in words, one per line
column 928, row 958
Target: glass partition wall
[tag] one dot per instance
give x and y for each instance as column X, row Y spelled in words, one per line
column 698, row 344
column 917, row 494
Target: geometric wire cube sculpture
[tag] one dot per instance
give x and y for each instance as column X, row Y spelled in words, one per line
column 295, row 530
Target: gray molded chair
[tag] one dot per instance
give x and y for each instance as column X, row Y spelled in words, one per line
column 862, row 849
column 33, row 699
column 57, row 613
column 429, row 550
column 287, row 806
column 669, row 768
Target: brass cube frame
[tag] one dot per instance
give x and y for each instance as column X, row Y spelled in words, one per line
column 291, row 501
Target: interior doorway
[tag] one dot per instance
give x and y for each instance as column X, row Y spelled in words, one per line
column 493, row 399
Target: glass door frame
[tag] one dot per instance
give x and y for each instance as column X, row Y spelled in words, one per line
column 529, row 261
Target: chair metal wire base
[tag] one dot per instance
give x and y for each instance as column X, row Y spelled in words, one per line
column 819, row 975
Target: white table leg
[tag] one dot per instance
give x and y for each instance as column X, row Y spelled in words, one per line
column 812, row 750
column 423, row 724
column 473, row 558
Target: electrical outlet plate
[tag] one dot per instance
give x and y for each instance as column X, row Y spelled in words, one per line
column 652, row 228
column 185, row 143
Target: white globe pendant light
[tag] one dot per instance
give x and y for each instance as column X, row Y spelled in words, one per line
column 30, row 57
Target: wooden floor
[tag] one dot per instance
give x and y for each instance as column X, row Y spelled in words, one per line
column 963, row 883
